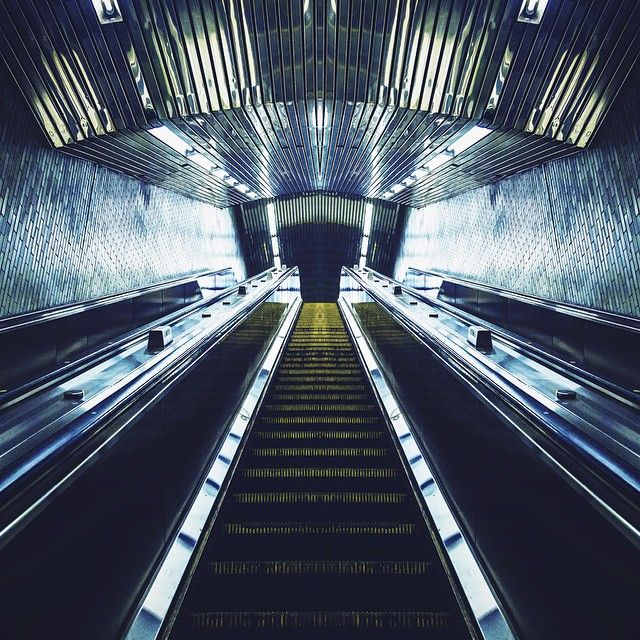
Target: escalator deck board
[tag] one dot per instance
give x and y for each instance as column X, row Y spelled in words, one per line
column 320, row 531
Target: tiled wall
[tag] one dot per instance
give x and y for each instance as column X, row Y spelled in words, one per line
column 568, row 230
column 71, row 231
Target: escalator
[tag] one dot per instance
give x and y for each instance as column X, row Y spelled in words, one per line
column 319, row 531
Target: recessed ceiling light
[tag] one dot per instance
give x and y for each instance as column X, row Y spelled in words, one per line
column 532, row 11
column 108, row 11
column 467, row 140
column 173, row 140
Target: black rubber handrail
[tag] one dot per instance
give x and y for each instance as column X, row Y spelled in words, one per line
column 82, row 431
column 527, row 347
column 621, row 508
column 12, row 323
column 114, row 346
column 578, row 311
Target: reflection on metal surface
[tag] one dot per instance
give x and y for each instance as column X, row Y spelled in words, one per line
column 366, row 232
column 155, row 607
column 595, row 424
column 292, row 97
column 275, row 247
column 581, row 211
column 71, row 231
column 483, row 605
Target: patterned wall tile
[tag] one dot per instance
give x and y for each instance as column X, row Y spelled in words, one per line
column 568, row 230
column 71, row 231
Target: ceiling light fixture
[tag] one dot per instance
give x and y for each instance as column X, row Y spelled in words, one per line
column 465, row 141
column 173, row 140
column 366, row 232
column 273, row 232
column 532, row 11
column 468, row 139
column 108, row 11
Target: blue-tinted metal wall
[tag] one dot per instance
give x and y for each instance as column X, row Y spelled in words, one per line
column 71, row 230
column 568, row 231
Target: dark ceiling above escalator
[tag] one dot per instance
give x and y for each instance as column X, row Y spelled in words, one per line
column 267, row 98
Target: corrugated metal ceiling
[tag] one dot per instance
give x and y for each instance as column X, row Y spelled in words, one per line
column 291, row 96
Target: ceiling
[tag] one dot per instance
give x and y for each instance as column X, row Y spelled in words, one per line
column 273, row 98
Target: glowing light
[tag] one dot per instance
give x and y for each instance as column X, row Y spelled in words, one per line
column 271, row 215
column 366, row 232
column 532, row 11
column 468, row 139
column 368, row 218
column 273, row 232
column 173, row 140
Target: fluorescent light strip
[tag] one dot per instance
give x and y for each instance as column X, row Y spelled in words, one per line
column 464, row 142
column 173, row 140
column 532, row 11
column 467, row 140
column 273, row 232
column 366, row 231
column 368, row 219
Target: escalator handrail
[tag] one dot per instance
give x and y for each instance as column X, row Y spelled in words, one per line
column 553, row 429
column 529, row 349
column 114, row 346
column 165, row 588
column 20, row 321
column 617, row 320
column 86, row 423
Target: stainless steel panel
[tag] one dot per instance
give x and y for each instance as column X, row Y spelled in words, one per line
column 296, row 96
column 320, row 233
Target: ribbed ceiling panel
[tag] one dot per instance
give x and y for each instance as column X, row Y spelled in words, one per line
column 320, row 233
column 292, row 96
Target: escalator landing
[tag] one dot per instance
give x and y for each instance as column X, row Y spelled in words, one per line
column 319, row 532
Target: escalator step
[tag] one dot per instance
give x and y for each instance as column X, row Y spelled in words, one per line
column 322, row 497
column 307, row 620
column 320, row 387
column 320, row 528
column 320, row 567
column 319, row 435
column 334, row 452
column 322, row 472
column 282, row 420
column 318, row 408
column 319, row 535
